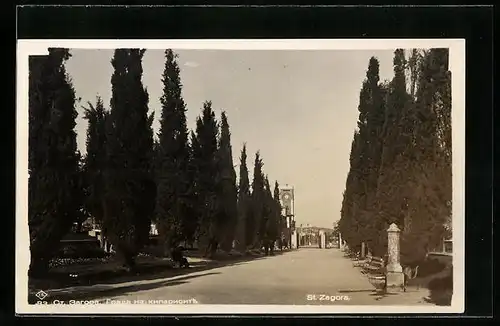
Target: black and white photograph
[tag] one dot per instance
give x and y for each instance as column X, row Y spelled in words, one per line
column 238, row 176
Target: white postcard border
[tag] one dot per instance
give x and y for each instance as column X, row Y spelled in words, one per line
column 25, row 48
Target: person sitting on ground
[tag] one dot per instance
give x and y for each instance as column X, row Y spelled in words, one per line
column 178, row 257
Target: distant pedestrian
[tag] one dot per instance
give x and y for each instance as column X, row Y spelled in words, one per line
column 178, row 257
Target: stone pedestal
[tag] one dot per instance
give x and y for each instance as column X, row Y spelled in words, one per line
column 395, row 277
column 394, row 281
column 294, row 240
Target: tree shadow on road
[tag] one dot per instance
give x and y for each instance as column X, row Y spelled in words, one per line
column 356, row 291
column 112, row 273
column 103, row 291
column 379, row 295
column 109, row 285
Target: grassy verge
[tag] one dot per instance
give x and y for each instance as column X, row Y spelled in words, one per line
column 441, row 290
column 434, row 275
column 437, row 277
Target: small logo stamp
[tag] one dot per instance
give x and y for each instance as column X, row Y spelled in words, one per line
column 41, row 295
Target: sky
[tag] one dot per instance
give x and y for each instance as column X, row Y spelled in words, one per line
column 297, row 107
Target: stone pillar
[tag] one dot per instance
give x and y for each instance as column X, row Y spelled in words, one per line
column 395, row 277
column 322, row 240
column 294, row 240
column 363, row 250
column 340, row 241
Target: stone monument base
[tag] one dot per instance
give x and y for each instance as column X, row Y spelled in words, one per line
column 395, row 281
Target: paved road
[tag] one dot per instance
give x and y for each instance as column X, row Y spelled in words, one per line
column 283, row 279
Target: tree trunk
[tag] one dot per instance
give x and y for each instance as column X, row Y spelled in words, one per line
column 227, row 244
column 271, row 247
column 167, row 248
column 213, row 247
column 79, row 225
column 128, row 257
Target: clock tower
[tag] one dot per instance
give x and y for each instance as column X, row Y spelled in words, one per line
column 287, row 204
column 287, row 201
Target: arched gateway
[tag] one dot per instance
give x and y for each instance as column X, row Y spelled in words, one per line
column 313, row 237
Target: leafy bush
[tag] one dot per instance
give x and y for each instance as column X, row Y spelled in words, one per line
column 430, row 266
column 58, row 262
column 441, row 290
column 442, row 283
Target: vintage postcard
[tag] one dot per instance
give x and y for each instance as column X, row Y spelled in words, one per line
column 240, row 176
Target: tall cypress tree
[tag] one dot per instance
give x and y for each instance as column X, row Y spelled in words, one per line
column 354, row 221
column 54, row 184
column 95, row 159
column 143, row 148
column 228, row 194
column 373, row 142
column 258, row 197
column 206, row 161
column 280, row 225
column 173, row 202
column 271, row 218
column 130, row 191
column 197, row 177
column 196, row 189
column 392, row 188
column 243, row 202
column 348, row 223
column 371, row 121
column 430, row 203
column 359, row 204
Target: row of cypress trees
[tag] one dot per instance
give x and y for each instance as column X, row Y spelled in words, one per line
column 183, row 181
column 400, row 161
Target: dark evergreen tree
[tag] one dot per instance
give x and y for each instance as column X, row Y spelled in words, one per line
column 360, row 207
column 206, row 161
column 243, row 202
column 197, row 202
column 348, row 223
column 392, row 188
column 227, row 194
column 54, row 185
column 353, row 222
column 271, row 218
column 429, row 206
column 174, row 192
column 146, row 192
column 258, row 197
column 95, row 160
column 413, row 183
column 280, row 222
column 373, row 144
column 130, row 193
